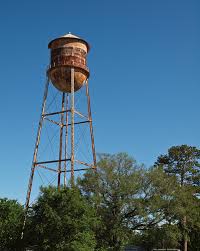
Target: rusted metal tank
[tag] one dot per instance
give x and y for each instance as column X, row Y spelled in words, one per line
column 66, row 52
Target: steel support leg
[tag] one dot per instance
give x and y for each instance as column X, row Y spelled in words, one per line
column 61, row 140
column 66, row 142
column 72, row 126
column 91, row 127
column 35, row 155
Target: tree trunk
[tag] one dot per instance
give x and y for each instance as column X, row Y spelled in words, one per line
column 185, row 242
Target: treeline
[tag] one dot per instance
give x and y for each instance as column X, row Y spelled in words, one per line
column 122, row 203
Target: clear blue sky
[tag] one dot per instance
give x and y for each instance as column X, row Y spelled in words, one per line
column 144, row 85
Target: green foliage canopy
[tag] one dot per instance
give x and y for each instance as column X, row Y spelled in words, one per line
column 11, row 219
column 183, row 162
column 127, row 197
column 61, row 220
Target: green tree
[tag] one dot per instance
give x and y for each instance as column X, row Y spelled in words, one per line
column 61, row 220
column 183, row 163
column 127, row 197
column 164, row 236
column 194, row 227
column 194, row 235
column 11, row 219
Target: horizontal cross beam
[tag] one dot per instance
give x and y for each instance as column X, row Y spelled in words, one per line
column 50, row 161
column 54, row 113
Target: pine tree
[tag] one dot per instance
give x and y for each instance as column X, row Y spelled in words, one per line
column 183, row 163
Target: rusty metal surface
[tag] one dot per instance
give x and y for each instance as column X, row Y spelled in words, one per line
column 61, row 77
column 69, row 61
column 68, row 53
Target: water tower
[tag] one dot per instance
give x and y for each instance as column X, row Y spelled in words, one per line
column 67, row 74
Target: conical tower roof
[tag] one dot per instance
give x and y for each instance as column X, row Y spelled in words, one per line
column 70, row 36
